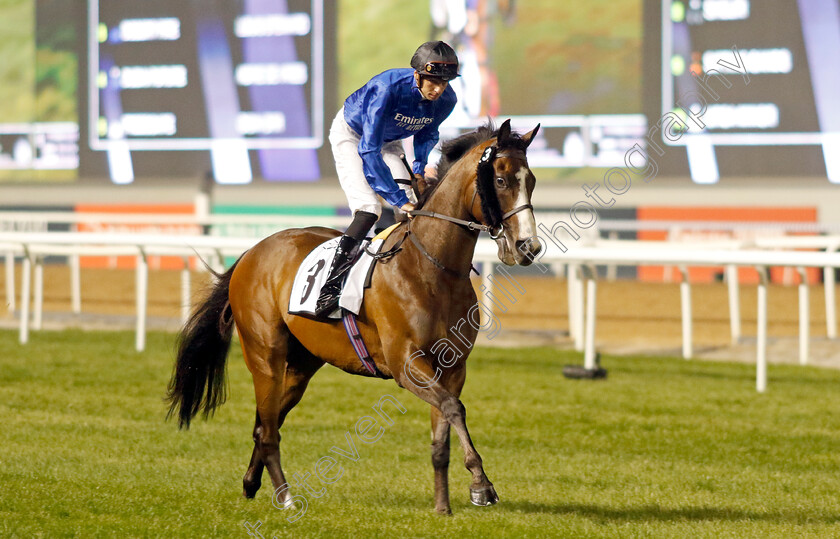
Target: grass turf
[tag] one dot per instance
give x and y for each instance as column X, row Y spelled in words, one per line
column 663, row 448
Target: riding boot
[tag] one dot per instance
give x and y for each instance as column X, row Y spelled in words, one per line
column 345, row 255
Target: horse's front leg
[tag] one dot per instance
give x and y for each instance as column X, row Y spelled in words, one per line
column 420, row 378
column 481, row 489
column 440, row 461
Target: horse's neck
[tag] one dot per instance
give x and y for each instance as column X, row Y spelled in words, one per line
column 451, row 244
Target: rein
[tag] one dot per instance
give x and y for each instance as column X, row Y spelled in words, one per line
column 470, row 225
column 438, row 264
column 408, row 235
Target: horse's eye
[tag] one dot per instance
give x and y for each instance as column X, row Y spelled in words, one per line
column 501, row 183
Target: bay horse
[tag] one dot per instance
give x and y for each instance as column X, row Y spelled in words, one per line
column 416, row 297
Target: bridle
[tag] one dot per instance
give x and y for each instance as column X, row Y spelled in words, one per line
column 489, row 156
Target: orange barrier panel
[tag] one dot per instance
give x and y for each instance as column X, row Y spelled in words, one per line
column 750, row 214
column 129, row 262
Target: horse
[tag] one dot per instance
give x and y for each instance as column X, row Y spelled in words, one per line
column 416, row 296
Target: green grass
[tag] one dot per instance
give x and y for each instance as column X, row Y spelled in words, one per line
column 663, row 448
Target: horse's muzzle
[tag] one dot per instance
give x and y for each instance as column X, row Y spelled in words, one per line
column 529, row 249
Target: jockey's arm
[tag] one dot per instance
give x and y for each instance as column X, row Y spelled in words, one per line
column 428, row 137
column 376, row 171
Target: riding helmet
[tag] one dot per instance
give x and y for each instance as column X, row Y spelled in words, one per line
column 435, row 59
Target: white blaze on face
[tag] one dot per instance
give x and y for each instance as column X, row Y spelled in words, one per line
column 525, row 218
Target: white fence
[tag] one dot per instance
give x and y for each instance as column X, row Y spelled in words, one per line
column 582, row 283
column 35, row 246
column 579, row 260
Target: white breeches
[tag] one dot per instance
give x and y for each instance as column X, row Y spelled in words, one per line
column 351, row 175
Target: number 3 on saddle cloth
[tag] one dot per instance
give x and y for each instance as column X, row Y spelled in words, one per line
column 312, row 274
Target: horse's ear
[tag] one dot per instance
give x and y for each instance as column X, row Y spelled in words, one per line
column 504, row 133
column 529, row 137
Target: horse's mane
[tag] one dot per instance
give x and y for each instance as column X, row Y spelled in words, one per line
column 454, row 149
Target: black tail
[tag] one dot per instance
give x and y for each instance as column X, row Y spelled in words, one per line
column 198, row 383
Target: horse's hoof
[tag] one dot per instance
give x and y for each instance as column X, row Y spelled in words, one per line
column 283, row 501
column 249, row 491
column 483, row 496
column 445, row 511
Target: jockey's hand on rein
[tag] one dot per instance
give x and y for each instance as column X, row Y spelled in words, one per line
column 407, row 208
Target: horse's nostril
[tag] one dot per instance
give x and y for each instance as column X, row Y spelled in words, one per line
column 529, row 247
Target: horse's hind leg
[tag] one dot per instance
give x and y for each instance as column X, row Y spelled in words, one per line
column 253, row 477
column 301, row 366
column 281, row 373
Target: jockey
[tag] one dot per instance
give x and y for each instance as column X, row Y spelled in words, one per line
column 366, row 137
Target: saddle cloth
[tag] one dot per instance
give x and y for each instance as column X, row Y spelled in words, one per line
column 313, row 271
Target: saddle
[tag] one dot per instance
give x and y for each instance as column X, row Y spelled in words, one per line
column 312, row 274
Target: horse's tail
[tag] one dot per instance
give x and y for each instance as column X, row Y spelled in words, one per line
column 198, row 383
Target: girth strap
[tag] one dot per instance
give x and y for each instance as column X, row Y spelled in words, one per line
column 358, row 343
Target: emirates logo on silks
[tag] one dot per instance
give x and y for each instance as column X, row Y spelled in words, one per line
column 411, row 123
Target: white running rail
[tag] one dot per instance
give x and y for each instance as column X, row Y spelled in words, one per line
column 580, row 260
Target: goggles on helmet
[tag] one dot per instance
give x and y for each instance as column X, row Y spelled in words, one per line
column 444, row 70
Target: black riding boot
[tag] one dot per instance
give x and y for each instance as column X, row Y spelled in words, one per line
column 345, row 253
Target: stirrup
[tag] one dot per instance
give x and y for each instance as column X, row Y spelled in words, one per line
column 327, row 303
column 329, row 296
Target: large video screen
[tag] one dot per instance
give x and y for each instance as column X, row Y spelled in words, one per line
column 242, row 80
column 39, row 125
column 242, row 90
column 573, row 67
column 222, row 76
column 755, row 84
column 107, row 89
